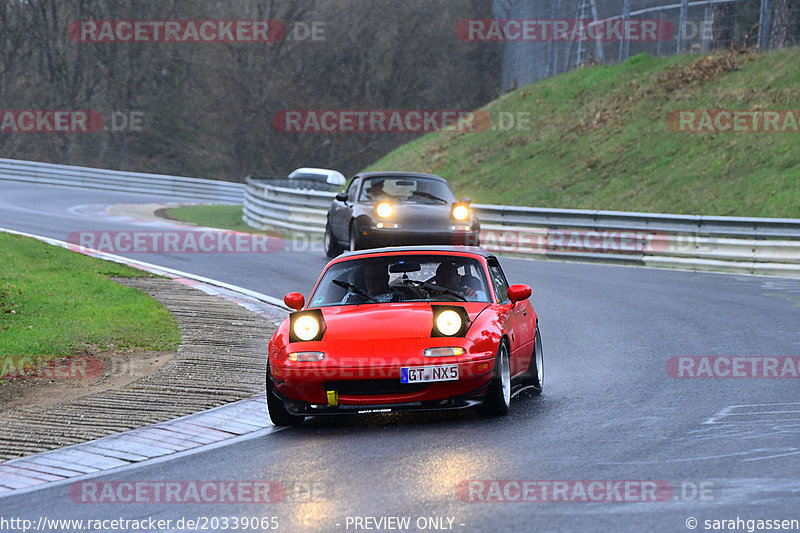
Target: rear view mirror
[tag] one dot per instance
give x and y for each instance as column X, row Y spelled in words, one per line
column 294, row 300
column 399, row 268
column 341, row 197
column 517, row 293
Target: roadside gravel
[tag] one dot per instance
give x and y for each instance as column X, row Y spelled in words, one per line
column 221, row 359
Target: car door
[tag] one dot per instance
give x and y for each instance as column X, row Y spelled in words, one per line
column 341, row 212
column 518, row 324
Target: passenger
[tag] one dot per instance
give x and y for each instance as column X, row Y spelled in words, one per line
column 472, row 287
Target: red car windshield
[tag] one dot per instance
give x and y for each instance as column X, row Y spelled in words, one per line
column 411, row 278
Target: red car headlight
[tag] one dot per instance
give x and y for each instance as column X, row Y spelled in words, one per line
column 306, row 326
column 449, row 321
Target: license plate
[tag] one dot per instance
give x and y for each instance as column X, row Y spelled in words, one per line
column 426, row 374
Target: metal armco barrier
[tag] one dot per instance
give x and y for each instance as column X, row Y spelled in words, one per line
column 767, row 246
column 115, row 180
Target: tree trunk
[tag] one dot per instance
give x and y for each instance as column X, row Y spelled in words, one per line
column 784, row 23
column 721, row 26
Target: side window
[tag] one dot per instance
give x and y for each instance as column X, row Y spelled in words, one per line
column 352, row 190
column 498, row 280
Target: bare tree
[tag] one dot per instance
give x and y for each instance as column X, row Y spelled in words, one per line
column 785, row 17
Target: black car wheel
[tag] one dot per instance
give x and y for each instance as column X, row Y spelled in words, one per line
column 535, row 375
column 332, row 248
column 498, row 397
column 277, row 411
column 355, row 242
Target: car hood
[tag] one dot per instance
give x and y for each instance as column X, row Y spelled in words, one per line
column 409, row 320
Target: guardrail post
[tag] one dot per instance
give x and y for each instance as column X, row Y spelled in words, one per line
column 684, row 14
column 624, row 46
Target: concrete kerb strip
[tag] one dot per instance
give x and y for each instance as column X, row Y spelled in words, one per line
column 192, row 433
column 157, row 441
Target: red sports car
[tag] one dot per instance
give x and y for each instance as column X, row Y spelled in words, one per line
column 405, row 329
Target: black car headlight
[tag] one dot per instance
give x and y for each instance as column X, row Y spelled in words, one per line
column 460, row 212
column 449, row 321
column 306, row 326
column 384, row 209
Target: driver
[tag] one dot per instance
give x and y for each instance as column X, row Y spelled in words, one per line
column 376, row 284
column 375, row 190
column 447, row 276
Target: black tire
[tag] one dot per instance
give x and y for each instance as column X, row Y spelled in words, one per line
column 498, row 397
column 277, row 411
column 355, row 242
column 332, row 248
column 534, row 377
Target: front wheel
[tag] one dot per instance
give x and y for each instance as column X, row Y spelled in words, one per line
column 332, row 248
column 355, row 242
column 277, row 411
column 498, row 397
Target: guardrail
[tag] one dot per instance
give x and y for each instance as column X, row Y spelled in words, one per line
column 748, row 245
column 115, row 180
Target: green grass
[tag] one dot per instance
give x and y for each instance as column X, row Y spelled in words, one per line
column 598, row 138
column 54, row 303
column 213, row 216
column 226, row 217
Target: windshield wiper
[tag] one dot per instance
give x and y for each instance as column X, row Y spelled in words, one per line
column 429, row 195
column 355, row 288
column 435, row 288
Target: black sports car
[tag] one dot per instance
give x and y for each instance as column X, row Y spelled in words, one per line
column 398, row 208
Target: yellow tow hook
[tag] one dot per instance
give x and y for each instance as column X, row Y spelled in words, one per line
column 333, row 398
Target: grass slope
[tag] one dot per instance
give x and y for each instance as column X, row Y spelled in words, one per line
column 54, row 302
column 597, row 138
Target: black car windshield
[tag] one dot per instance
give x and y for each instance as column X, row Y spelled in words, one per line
column 406, row 189
column 402, row 278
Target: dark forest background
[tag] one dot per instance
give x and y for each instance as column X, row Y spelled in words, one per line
column 207, row 108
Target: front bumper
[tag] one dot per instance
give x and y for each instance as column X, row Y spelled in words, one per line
column 370, row 388
column 447, row 404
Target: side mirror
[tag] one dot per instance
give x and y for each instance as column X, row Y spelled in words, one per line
column 294, row 300
column 517, row 293
column 465, row 200
column 341, row 197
